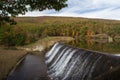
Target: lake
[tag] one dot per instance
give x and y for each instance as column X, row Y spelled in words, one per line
column 101, row 45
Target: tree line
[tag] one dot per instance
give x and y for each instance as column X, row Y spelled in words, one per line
column 29, row 30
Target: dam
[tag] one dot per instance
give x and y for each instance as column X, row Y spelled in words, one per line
column 65, row 62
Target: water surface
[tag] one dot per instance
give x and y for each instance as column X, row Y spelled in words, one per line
column 32, row 68
column 102, row 45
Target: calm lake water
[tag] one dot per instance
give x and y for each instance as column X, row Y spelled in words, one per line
column 102, row 45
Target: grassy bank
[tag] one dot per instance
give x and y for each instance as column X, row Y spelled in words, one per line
column 8, row 60
column 45, row 43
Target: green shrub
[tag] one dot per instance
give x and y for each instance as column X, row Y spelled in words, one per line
column 12, row 36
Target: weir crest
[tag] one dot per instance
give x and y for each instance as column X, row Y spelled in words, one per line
column 69, row 63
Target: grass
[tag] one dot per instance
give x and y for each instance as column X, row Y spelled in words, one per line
column 46, row 43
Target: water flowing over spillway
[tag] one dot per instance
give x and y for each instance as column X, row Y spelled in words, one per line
column 68, row 63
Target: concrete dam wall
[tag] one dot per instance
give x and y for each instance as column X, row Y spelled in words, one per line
column 65, row 62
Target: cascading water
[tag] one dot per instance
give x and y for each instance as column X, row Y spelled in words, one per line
column 68, row 63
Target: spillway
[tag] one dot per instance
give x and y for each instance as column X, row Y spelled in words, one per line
column 69, row 63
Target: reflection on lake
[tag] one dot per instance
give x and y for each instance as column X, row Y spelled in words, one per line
column 102, row 45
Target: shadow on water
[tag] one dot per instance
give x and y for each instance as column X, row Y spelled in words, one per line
column 32, row 68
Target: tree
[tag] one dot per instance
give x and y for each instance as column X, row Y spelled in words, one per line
column 12, row 8
column 15, row 7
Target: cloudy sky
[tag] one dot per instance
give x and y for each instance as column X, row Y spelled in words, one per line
column 106, row 9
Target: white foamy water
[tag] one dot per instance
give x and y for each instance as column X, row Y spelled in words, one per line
column 50, row 52
column 117, row 54
column 71, row 68
column 61, row 69
column 53, row 54
column 59, row 57
column 61, row 60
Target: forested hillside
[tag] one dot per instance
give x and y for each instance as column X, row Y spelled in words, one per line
column 30, row 29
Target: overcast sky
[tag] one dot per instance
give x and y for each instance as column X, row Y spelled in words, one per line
column 106, row 9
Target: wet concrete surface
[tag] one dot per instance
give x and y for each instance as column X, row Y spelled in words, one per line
column 32, row 67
